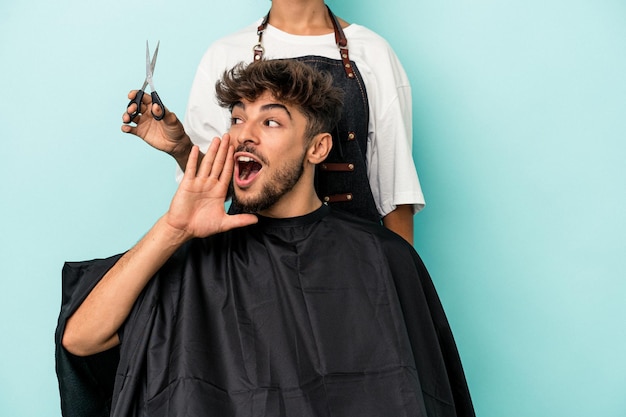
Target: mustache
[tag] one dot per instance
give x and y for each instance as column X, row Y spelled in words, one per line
column 251, row 150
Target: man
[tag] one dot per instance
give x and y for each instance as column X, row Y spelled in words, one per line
column 370, row 172
column 295, row 310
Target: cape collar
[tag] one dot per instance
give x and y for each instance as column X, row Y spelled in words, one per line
column 314, row 216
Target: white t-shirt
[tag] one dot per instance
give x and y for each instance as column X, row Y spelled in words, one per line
column 390, row 168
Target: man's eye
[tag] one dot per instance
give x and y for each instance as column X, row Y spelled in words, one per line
column 235, row 121
column 272, row 123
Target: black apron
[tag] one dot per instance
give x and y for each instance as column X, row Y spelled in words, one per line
column 341, row 180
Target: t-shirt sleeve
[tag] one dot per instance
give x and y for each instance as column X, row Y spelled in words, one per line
column 391, row 169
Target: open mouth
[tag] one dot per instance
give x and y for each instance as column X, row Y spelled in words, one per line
column 247, row 169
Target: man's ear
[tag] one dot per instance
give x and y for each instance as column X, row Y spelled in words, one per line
column 320, row 147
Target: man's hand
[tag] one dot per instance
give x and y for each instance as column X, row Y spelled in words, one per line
column 167, row 135
column 197, row 209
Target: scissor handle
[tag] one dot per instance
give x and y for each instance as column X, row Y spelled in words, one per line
column 157, row 100
column 137, row 101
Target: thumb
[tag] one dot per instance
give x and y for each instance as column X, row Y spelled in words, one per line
column 239, row 220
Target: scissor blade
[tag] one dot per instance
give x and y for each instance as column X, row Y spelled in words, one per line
column 154, row 57
column 149, row 67
column 151, row 64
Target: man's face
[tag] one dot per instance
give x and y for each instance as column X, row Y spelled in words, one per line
column 269, row 151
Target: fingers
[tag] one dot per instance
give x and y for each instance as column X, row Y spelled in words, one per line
column 229, row 165
column 129, row 110
column 133, row 107
column 157, row 111
column 126, row 119
column 207, row 162
column 224, row 155
column 216, row 157
column 192, row 163
column 146, row 99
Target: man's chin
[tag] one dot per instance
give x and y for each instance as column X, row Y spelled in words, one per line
column 246, row 203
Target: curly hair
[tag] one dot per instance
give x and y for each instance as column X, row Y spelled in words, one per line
column 291, row 82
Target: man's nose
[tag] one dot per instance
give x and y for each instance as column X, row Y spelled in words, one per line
column 247, row 134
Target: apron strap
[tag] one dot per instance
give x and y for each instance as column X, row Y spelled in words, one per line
column 342, row 44
column 340, row 40
column 258, row 48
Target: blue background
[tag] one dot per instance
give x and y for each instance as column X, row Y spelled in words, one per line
column 520, row 129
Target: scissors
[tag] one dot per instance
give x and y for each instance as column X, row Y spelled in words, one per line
column 155, row 97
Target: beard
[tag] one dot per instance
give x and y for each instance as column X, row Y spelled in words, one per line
column 280, row 183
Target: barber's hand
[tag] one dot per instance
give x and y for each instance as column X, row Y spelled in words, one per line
column 167, row 135
column 197, row 208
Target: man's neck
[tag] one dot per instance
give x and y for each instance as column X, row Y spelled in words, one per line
column 299, row 201
column 301, row 17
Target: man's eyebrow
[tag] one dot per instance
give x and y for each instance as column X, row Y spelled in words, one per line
column 265, row 107
column 272, row 106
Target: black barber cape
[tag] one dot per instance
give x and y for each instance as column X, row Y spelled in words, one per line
column 319, row 315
